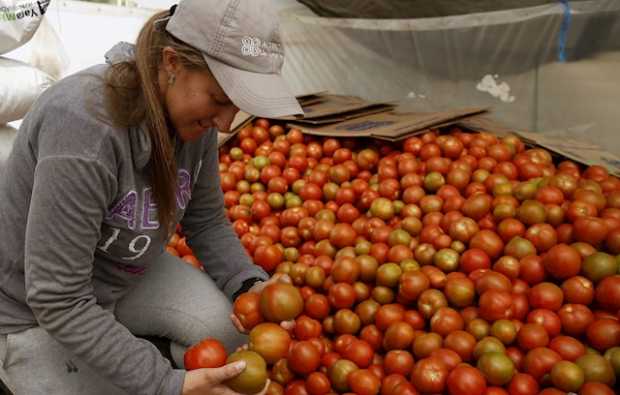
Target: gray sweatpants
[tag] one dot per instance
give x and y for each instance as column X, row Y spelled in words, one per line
column 173, row 300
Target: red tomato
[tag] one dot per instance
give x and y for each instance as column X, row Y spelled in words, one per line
column 466, row 380
column 568, row 347
column 317, row 383
column 208, row 353
column 547, row 319
column 359, row 352
column 562, row 261
column 546, row 296
column 363, row 382
column 523, row 384
column 473, row 259
column 317, row 306
column 429, row 375
column 489, row 242
column 575, row 318
column 247, row 310
column 495, row 305
column 591, row 230
column 304, row 357
column 268, row 257
column 540, row 361
column 532, row 336
column 608, row 292
column 182, row 247
column 579, row 290
column 593, row 388
column 307, row 328
column 604, row 334
column 398, row 361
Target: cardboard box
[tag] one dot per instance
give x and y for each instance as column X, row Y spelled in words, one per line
column 243, row 118
column 336, row 108
column 319, row 109
column 389, row 125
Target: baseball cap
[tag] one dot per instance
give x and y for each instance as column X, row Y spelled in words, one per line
column 240, row 41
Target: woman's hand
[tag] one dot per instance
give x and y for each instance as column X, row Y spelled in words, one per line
column 258, row 288
column 210, row 381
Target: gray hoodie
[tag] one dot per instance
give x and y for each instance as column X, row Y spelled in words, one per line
column 80, row 227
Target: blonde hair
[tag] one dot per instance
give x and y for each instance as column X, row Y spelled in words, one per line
column 132, row 96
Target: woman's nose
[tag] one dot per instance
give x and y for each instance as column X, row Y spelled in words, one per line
column 224, row 118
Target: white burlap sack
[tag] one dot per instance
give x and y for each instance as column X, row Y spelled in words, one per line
column 19, row 19
column 20, row 85
column 7, row 136
column 47, row 52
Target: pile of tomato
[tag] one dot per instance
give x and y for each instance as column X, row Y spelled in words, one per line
column 177, row 246
column 451, row 262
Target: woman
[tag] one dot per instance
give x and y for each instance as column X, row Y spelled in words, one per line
column 104, row 166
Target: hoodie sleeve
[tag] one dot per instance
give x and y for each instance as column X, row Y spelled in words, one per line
column 209, row 232
column 70, row 194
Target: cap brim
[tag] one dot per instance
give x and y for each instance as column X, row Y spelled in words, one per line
column 262, row 95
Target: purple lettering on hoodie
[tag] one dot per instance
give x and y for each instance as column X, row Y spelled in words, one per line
column 149, row 210
column 184, row 191
column 125, row 210
column 131, row 269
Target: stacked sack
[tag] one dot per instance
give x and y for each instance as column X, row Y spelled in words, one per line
column 20, row 82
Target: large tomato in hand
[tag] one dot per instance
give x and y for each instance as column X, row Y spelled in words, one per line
column 247, row 311
column 253, row 378
column 281, row 302
column 209, row 353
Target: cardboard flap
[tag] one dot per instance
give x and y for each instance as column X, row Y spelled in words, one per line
column 308, row 98
column 482, row 123
column 370, row 109
column 330, row 108
column 239, row 122
column 243, row 118
column 319, row 108
column 564, row 142
column 579, row 151
column 389, row 125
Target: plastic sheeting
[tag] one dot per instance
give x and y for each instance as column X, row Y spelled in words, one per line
column 505, row 60
column 509, row 61
column 413, row 8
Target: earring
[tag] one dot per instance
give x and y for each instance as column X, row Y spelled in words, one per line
column 171, row 79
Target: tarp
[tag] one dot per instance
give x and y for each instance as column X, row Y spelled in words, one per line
column 413, row 8
column 549, row 68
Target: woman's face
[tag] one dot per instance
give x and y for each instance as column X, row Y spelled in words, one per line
column 195, row 101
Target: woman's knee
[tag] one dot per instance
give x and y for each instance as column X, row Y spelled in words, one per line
column 178, row 302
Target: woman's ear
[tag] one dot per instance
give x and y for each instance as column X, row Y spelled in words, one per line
column 170, row 60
